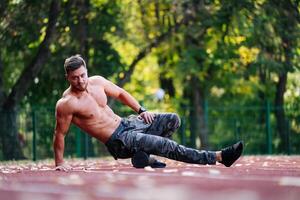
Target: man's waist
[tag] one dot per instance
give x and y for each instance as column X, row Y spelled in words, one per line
column 119, row 128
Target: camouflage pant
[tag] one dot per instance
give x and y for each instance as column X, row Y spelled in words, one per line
column 134, row 135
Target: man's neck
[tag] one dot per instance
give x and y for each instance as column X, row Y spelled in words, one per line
column 78, row 92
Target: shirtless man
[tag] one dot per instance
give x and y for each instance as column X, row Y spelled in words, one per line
column 84, row 104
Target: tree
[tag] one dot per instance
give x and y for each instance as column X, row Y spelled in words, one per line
column 276, row 36
column 9, row 133
column 81, row 29
column 287, row 28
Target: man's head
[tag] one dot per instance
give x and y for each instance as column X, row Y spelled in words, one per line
column 76, row 72
column 74, row 62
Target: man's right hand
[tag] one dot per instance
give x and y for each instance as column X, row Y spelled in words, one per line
column 63, row 167
column 147, row 116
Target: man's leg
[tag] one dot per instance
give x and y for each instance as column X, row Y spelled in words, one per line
column 164, row 125
column 156, row 145
column 130, row 141
column 170, row 149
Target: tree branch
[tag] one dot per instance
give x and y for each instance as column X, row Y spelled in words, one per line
column 31, row 71
column 156, row 42
column 144, row 52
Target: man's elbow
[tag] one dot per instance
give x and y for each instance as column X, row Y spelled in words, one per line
column 123, row 94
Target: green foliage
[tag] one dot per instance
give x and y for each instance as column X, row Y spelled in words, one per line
column 102, row 58
column 21, row 32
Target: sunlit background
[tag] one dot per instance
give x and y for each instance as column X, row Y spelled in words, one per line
column 230, row 69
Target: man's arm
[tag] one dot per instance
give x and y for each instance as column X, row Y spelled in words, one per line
column 122, row 95
column 63, row 120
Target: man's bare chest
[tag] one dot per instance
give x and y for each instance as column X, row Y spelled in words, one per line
column 91, row 101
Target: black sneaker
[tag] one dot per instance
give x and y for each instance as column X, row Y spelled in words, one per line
column 232, row 153
column 141, row 159
column 156, row 164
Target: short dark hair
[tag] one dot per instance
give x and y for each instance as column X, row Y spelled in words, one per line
column 74, row 62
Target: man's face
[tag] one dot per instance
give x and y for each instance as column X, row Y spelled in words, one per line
column 78, row 78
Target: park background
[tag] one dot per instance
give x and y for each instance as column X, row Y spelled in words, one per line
column 230, row 69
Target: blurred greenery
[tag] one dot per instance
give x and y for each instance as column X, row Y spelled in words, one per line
column 217, row 62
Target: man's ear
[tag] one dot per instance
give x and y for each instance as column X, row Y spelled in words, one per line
column 66, row 76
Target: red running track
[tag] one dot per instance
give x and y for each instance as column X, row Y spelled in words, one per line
column 251, row 178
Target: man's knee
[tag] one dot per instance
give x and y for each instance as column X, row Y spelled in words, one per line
column 174, row 121
column 172, row 125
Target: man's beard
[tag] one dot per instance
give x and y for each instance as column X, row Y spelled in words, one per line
column 81, row 87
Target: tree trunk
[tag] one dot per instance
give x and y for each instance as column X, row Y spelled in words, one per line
column 262, row 95
column 2, row 95
column 10, row 144
column 83, row 33
column 83, row 6
column 279, row 110
column 198, row 127
column 288, row 31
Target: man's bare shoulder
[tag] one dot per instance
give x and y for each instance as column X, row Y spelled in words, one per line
column 97, row 79
column 66, row 102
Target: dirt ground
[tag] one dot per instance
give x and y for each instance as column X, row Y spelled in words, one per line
column 251, row 178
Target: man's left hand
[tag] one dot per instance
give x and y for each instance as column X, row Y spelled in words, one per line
column 147, row 116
